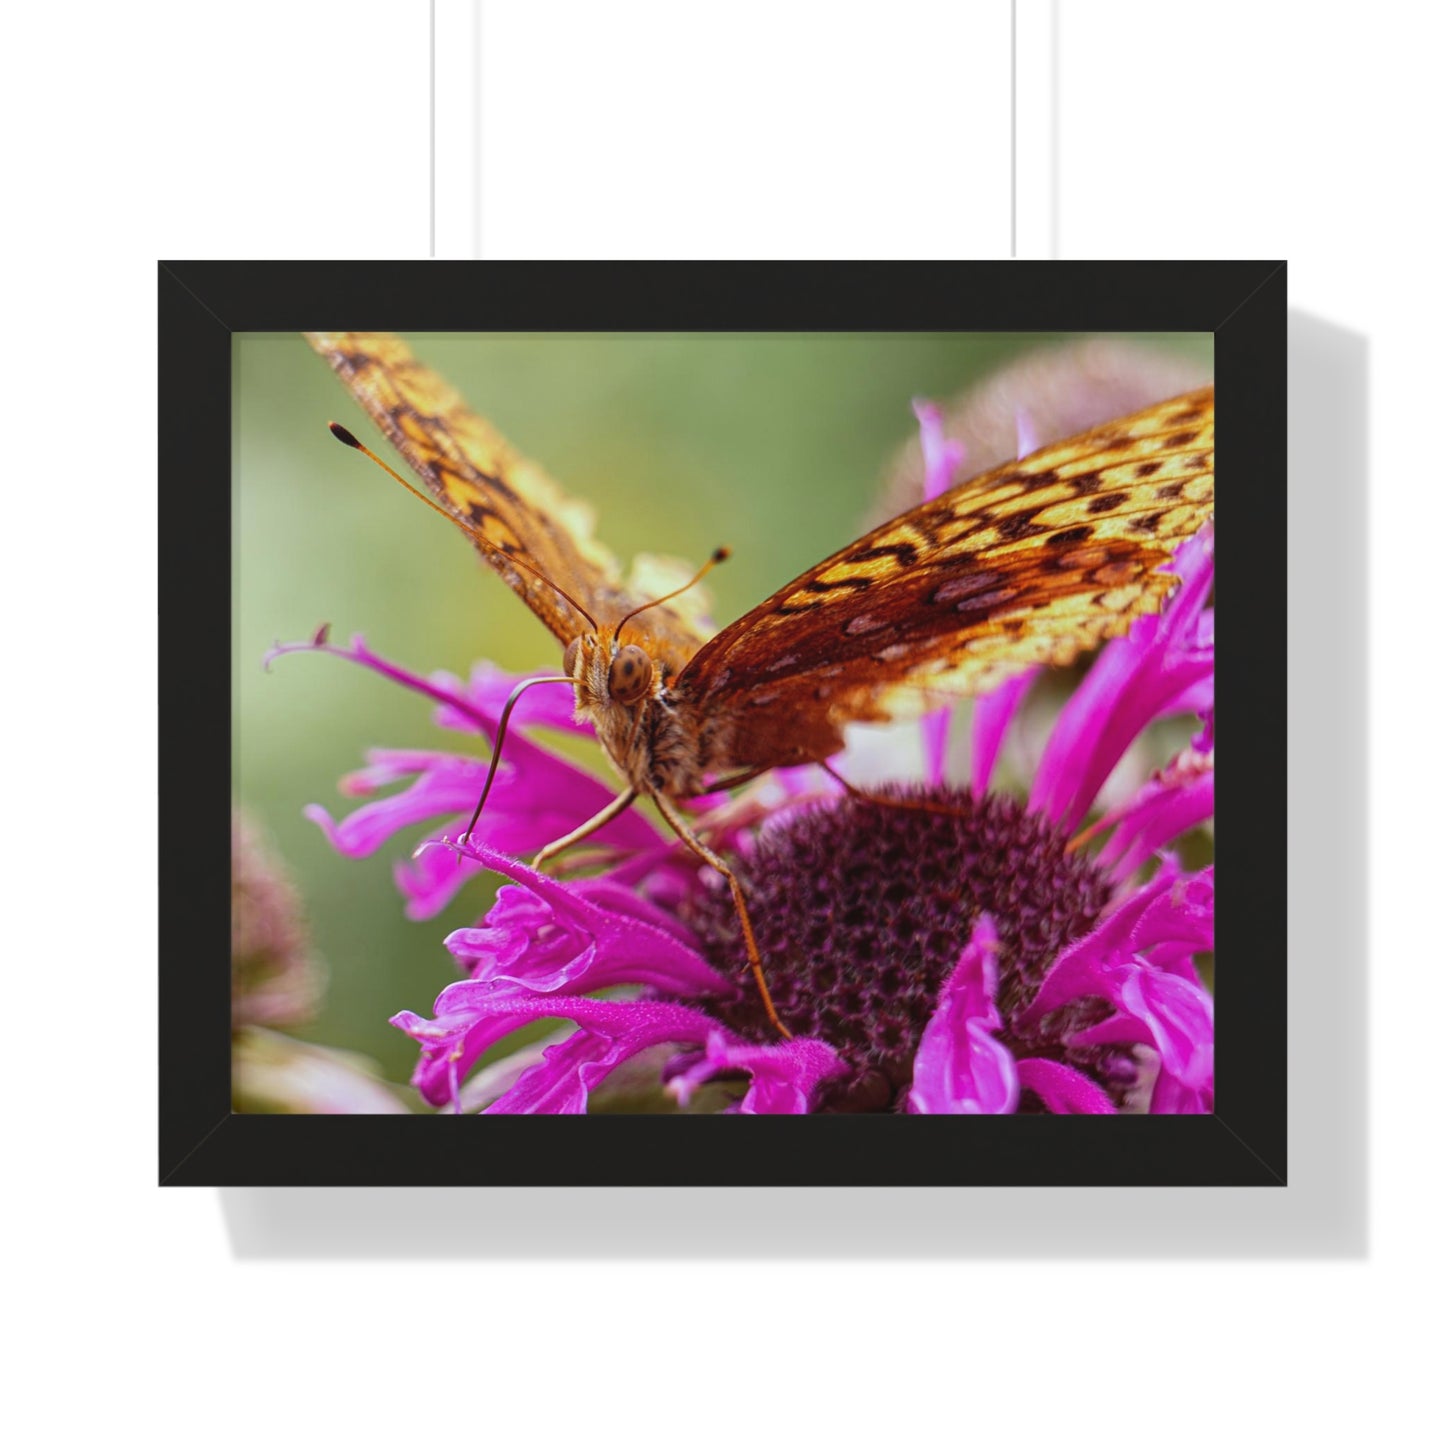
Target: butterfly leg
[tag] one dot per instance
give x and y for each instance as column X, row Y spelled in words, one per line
column 679, row 825
column 618, row 805
column 736, row 780
column 916, row 805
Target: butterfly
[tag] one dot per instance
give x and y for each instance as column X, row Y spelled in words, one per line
column 1032, row 562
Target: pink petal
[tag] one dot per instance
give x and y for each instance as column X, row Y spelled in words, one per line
column 942, row 456
column 1062, row 1089
column 960, row 1068
column 992, row 714
column 786, row 1076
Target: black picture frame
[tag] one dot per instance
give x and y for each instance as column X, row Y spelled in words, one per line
column 202, row 1142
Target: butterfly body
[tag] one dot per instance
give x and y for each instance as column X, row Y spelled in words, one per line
column 635, row 714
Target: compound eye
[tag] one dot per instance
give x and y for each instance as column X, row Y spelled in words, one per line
column 569, row 657
column 630, row 676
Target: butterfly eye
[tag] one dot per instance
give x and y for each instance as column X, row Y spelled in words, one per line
column 630, row 675
column 569, row 657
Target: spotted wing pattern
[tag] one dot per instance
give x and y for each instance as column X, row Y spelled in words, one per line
column 507, row 501
column 1032, row 562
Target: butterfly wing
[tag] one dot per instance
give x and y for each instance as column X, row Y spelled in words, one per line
column 1034, row 561
column 509, row 504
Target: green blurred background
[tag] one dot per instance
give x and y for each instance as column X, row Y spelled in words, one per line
column 772, row 444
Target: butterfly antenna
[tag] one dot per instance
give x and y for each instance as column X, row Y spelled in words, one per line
column 471, row 533
column 721, row 555
column 511, row 702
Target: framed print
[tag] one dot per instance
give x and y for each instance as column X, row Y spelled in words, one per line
column 799, row 770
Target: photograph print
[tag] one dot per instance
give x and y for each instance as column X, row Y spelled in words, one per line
column 727, row 723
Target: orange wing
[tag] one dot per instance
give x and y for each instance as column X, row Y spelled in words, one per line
column 503, row 498
column 1034, row 561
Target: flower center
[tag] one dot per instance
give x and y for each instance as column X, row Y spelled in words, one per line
column 862, row 909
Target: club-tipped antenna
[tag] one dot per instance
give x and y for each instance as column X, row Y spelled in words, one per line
column 720, row 555
column 470, row 532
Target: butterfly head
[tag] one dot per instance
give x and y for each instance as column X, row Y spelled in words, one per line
column 612, row 674
column 608, row 673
